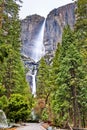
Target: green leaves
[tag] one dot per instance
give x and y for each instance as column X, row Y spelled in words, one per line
column 70, row 72
column 12, row 72
column 18, row 108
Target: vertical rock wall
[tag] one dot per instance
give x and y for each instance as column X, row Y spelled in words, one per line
column 56, row 20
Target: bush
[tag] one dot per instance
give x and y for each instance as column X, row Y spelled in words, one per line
column 44, row 115
column 3, row 102
column 18, row 108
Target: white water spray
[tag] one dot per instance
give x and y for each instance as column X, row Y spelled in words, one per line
column 39, row 49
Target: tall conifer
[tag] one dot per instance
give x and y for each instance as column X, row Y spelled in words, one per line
column 11, row 66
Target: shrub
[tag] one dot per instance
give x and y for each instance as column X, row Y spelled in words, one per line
column 18, row 108
column 44, row 115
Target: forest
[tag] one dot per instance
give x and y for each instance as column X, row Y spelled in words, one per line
column 61, row 84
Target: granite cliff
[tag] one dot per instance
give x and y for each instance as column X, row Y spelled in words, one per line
column 30, row 27
column 55, row 22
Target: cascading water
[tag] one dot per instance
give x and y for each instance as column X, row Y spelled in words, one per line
column 3, row 120
column 37, row 53
column 34, row 83
column 39, row 49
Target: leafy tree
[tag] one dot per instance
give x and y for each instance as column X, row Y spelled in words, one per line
column 45, row 115
column 3, row 102
column 18, row 108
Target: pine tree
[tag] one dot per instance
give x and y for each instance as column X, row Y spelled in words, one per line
column 81, row 13
column 11, row 66
column 70, row 74
column 81, row 36
column 42, row 79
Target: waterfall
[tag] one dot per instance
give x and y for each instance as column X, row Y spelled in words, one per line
column 39, row 49
column 37, row 52
column 34, row 83
column 3, row 120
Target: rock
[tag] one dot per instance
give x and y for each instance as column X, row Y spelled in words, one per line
column 56, row 20
column 29, row 30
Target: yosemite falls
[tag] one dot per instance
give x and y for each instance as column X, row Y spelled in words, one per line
column 38, row 48
column 40, row 37
column 38, row 51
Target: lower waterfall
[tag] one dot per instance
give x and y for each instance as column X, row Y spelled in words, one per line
column 34, row 83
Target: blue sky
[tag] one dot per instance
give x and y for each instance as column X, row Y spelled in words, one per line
column 41, row 7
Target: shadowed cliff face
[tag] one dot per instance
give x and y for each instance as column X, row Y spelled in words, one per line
column 55, row 22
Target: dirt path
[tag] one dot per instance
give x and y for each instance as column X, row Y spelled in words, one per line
column 31, row 126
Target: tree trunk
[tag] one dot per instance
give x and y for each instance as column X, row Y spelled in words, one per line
column 76, row 112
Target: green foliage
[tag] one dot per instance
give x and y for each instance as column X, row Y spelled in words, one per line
column 3, row 102
column 81, row 12
column 18, row 108
column 2, row 90
column 12, row 73
column 69, row 76
column 42, row 79
column 44, row 115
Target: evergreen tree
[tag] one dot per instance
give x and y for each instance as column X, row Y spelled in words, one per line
column 42, row 79
column 45, row 87
column 11, row 66
column 81, row 36
column 81, row 16
column 70, row 74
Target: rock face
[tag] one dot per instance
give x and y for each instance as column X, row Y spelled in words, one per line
column 29, row 30
column 56, row 20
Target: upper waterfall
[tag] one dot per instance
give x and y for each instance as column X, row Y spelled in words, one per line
column 38, row 48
